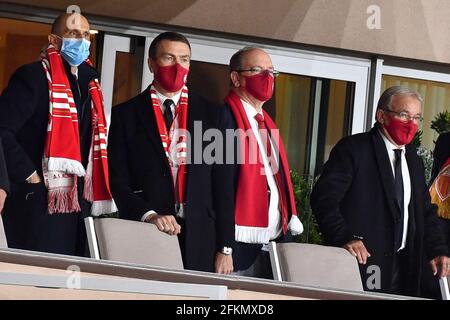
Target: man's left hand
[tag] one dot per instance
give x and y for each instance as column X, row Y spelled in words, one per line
column 223, row 263
column 2, row 199
column 440, row 266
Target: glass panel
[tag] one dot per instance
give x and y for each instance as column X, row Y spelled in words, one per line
column 209, row 80
column 128, row 72
column 334, row 119
column 20, row 43
column 340, row 106
column 436, row 96
column 293, row 102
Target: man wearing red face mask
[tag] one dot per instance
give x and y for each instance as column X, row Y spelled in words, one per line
column 265, row 207
column 152, row 178
column 372, row 199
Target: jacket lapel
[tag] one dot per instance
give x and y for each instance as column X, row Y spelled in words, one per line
column 148, row 120
column 385, row 171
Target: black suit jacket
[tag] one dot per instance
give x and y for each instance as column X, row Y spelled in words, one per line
column 141, row 179
column 4, row 181
column 354, row 197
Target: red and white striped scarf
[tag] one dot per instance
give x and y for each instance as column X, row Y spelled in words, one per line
column 174, row 140
column 62, row 156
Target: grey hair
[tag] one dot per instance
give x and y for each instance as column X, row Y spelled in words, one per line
column 388, row 95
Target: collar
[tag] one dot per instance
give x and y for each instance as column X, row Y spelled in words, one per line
column 250, row 110
column 162, row 98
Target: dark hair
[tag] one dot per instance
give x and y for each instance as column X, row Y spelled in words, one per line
column 236, row 59
column 171, row 36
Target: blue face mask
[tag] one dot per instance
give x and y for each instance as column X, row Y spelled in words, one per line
column 75, row 51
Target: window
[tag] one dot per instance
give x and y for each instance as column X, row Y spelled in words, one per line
column 20, row 43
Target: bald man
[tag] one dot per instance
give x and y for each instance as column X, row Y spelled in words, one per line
column 48, row 144
column 265, row 207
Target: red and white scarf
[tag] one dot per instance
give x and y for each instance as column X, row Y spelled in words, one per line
column 251, row 209
column 174, row 141
column 62, row 156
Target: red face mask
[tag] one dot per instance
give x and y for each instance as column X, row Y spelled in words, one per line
column 260, row 86
column 401, row 132
column 172, row 78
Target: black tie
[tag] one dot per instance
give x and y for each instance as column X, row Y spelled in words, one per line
column 399, row 196
column 168, row 116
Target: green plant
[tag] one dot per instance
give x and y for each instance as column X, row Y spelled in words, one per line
column 441, row 122
column 302, row 185
column 417, row 141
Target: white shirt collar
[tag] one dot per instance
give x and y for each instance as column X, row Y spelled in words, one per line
column 250, row 110
column 162, row 98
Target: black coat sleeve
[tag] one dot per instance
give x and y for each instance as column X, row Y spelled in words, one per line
column 223, row 186
column 17, row 104
column 4, row 181
column 440, row 154
column 329, row 191
column 131, row 206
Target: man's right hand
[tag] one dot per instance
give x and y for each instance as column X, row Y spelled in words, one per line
column 2, row 199
column 34, row 178
column 167, row 224
column 358, row 250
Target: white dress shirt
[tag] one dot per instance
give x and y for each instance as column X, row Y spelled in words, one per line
column 274, row 212
column 162, row 98
column 390, row 147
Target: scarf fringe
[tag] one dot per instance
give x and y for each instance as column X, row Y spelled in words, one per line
column 88, row 191
column 65, row 165
column 63, row 201
column 262, row 235
column 251, row 234
column 295, row 226
column 103, row 207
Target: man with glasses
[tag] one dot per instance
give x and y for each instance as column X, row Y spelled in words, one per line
column 372, row 199
column 265, row 207
column 52, row 126
column 152, row 178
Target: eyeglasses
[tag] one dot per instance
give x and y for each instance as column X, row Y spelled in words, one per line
column 258, row 70
column 404, row 116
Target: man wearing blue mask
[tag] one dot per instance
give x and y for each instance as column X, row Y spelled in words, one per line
column 52, row 126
